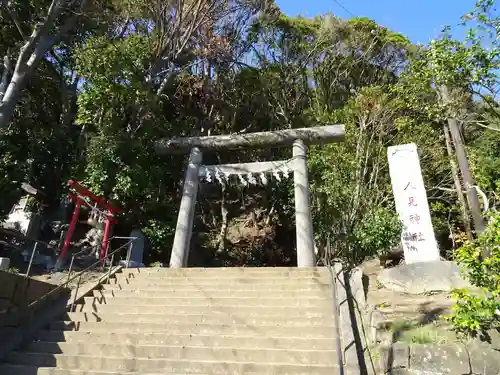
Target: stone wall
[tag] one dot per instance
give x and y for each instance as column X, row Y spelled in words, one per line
column 473, row 358
column 17, row 293
column 385, row 355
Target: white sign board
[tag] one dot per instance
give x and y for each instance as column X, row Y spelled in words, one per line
column 419, row 242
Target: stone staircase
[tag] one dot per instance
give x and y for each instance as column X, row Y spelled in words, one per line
column 156, row 321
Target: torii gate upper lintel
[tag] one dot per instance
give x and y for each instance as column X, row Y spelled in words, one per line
column 299, row 139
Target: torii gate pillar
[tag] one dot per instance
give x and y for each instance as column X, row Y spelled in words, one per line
column 303, row 215
column 184, row 228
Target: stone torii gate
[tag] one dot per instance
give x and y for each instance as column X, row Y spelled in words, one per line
column 299, row 139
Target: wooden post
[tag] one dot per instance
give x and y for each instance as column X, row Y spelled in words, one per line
column 463, row 164
column 458, row 184
column 303, row 216
column 184, row 228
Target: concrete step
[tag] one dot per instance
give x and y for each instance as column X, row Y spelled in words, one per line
column 249, row 311
column 118, row 350
column 199, row 319
column 306, row 331
column 162, row 366
column 204, row 293
column 229, row 269
column 262, row 284
column 236, row 279
column 223, row 271
column 227, row 288
column 206, row 301
column 9, row 369
column 161, row 338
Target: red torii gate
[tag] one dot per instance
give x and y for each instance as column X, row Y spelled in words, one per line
column 79, row 199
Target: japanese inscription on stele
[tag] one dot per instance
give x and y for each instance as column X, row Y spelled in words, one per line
column 419, row 242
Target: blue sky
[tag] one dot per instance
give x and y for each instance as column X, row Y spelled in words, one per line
column 419, row 20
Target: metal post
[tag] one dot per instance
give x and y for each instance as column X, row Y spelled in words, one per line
column 129, row 251
column 76, row 293
column 111, row 266
column 71, row 267
column 182, row 239
column 303, row 216
column 31, row 259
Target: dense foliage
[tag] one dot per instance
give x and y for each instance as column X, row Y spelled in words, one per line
column 477, row 313
column 102, row 80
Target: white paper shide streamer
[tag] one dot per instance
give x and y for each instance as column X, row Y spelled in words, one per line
column 211, row 175
column 242, row 180
column 208, row 175
column 263, row 178
column 221, row 178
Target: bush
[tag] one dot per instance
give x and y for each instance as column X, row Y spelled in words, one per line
column 478, row 311
column 378, row 231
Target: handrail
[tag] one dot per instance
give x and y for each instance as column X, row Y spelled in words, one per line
column 335, row 301
column 81, row 273
column 90, row 249
column 86, row 249
column 33, row 253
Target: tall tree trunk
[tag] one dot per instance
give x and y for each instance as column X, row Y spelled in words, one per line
column 11, row 97
column 4, row 82
column 458, row 185
column 35, row 48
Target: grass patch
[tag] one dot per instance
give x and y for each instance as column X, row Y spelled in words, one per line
column 411, row 332
column 428, row 334
column 399, row 326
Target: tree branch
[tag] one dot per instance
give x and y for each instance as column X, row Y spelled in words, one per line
column 41, row 30
column 7, row 69
column 15, row 18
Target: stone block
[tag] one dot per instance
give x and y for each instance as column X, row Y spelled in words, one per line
column 17, row 293
column 445, row 359
column 484, row 359
column 394, row 357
